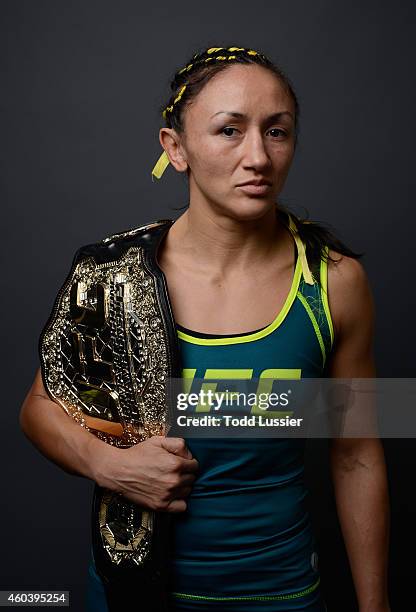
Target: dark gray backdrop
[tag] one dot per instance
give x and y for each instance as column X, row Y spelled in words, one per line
column 82, row 83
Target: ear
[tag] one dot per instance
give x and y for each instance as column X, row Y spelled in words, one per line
column 171, row 142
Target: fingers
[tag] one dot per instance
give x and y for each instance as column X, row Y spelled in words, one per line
column 176, row 446
column 190, row 466
column 187, row 480
column 183, row 492
column 177, row 505
column 166, row 475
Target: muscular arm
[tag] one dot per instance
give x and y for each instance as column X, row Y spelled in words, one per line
column 57, row 436
column 357, row 464
column 157, row 473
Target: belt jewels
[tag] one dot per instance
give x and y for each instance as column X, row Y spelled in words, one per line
column 107, row 352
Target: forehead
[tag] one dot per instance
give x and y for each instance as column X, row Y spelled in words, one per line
column 247, row 88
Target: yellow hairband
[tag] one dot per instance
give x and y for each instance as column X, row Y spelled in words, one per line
column 163, row 161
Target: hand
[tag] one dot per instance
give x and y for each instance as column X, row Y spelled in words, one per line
column 156, row 474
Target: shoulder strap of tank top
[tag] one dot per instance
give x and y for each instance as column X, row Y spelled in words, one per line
column 315, row 301
column 307, row 274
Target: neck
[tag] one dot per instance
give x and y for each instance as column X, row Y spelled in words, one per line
column 223, row 244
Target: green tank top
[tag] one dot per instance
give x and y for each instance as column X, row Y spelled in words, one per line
column 246, row 535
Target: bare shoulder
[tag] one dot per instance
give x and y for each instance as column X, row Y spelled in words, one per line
column 349, row 293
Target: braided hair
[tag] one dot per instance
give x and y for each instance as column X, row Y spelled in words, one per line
column 189, row 80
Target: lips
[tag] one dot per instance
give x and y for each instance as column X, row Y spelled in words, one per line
column 257, row 182
column 254, row 188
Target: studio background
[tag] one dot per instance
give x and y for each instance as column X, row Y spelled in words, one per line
column 82, row 87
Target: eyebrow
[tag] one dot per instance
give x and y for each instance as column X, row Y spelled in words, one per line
column 274, row 117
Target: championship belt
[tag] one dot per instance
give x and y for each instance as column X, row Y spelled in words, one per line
column 107, row 353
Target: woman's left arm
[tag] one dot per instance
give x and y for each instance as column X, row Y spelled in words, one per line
column 357, row 464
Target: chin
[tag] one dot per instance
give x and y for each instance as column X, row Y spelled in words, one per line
column 251, row 208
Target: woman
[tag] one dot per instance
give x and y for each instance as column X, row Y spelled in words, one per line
column 245, row 295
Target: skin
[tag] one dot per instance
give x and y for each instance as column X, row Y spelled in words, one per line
column 229, row 248
column 358, row 464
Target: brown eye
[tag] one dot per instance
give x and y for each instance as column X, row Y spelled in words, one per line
column 227, row 128
column 281, row 132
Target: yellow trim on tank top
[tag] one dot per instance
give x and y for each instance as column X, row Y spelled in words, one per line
column 324, row 293
column 315, row 326
column 257, row 335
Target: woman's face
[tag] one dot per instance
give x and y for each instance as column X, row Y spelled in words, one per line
column 239, row 128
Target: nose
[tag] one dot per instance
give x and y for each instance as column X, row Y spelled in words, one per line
column 255, row 154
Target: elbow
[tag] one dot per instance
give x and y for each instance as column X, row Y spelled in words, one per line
column 24, row 419
column 27, row 418
column 355, row 453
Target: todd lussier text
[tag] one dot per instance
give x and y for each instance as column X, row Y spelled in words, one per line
column 228, row 420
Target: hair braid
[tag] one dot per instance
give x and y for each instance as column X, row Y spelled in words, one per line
column 198, row 63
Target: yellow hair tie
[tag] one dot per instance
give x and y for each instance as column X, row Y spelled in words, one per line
column 179, row 96
column 188, row 67
column 160, row 166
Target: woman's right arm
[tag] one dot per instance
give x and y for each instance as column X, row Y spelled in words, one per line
column 157, row 473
